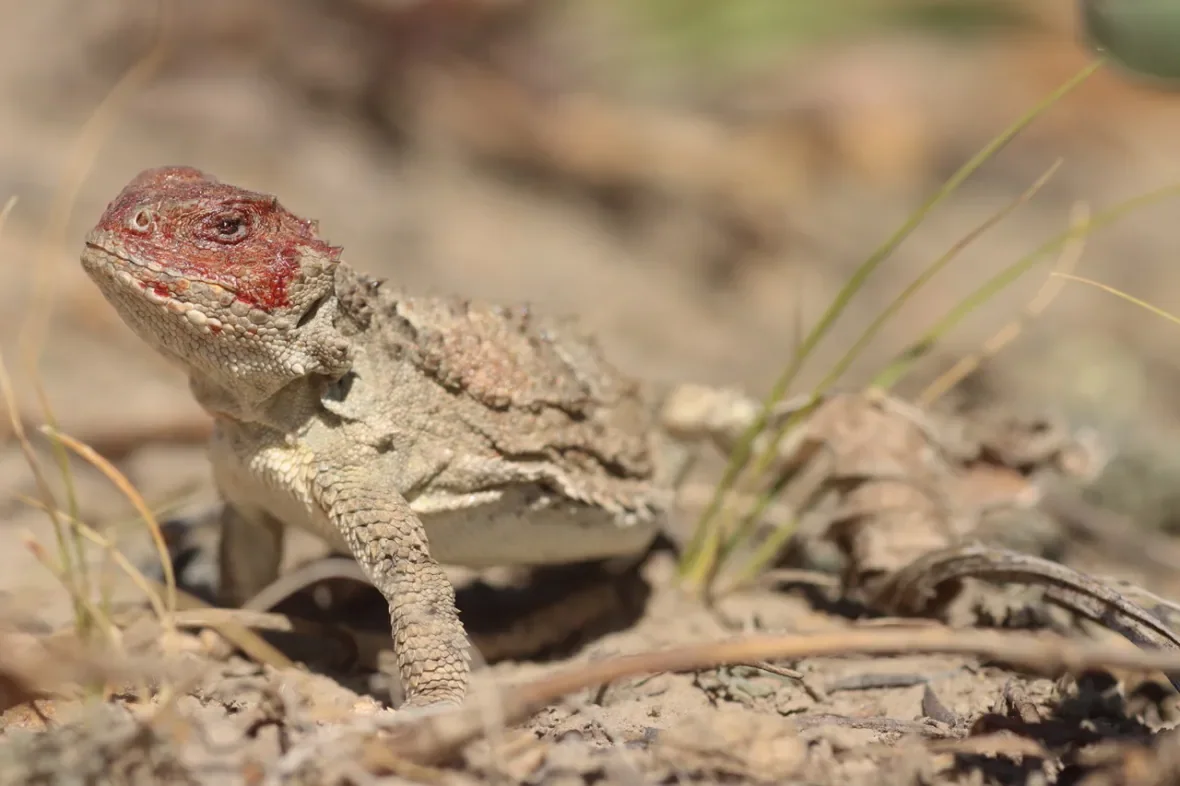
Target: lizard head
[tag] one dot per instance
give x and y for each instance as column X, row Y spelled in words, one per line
column 225, row 281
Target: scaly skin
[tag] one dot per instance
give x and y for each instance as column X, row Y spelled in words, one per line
column 373, row 418
column 241, row 293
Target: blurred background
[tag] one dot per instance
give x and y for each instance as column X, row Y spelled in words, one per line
column 694, row 178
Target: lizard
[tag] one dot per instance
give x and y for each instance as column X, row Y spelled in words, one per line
column 408, row 431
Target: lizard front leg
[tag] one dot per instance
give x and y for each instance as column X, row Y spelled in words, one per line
column 389, row 543
column 250, row 551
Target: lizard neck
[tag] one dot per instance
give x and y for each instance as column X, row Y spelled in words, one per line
column 284, row 410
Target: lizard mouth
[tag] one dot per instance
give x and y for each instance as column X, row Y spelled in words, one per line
column 155, row 282
column 158, row 286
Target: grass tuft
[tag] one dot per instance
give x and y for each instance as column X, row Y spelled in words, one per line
column 709, row 547
column 901, row 364
column 745, row 530
column 134, row 497
column 91, row 604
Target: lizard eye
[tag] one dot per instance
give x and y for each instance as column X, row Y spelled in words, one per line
column 141, row 220
column 230, row 227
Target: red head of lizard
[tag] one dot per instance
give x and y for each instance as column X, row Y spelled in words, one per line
column 224, row 280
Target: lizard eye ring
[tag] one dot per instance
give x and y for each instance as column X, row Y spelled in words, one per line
column 230, row 227
column 141, row 220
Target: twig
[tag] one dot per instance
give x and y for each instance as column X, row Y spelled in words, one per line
column 191, row 611
column 919, row 585
column 438, row 737
column 303, row 577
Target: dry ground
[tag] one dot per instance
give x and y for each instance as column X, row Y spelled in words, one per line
column 689, row 222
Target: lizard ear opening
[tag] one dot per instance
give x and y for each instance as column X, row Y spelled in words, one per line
column 312, row 310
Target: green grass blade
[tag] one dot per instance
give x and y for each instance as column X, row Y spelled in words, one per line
column 701, row 556
column 902, row 363
column 749, row 521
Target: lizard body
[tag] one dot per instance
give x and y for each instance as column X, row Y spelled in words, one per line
column 404, row 430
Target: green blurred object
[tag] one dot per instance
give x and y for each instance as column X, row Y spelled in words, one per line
column 726, row 34
column 1140, row 36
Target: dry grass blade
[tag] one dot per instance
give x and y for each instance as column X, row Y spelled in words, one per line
column 901, row 364
column 227, row 622
column 133, row 573
column 120, row 481
column 90, row 612
column 65, row 570
column 82, row 155
column 1159, row 312
column 1070, row 254
column 437, row 738
column 8, row 428
column 6, row 210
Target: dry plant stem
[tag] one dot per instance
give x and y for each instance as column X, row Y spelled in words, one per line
column 770, row 668
column 227, row 625
column 213, row 617
column 237, row 626
column 1159, row 312
column 302, row 577
column 66, row 566
column 133, row 573
column 6, row 427
column 917, row 586
column 700, row 564
column 437, row 738
column 120, row 481
column 9, row 204
column 82, row 155
column 1068, row 259
column 1168, row 611
column 80, row 600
